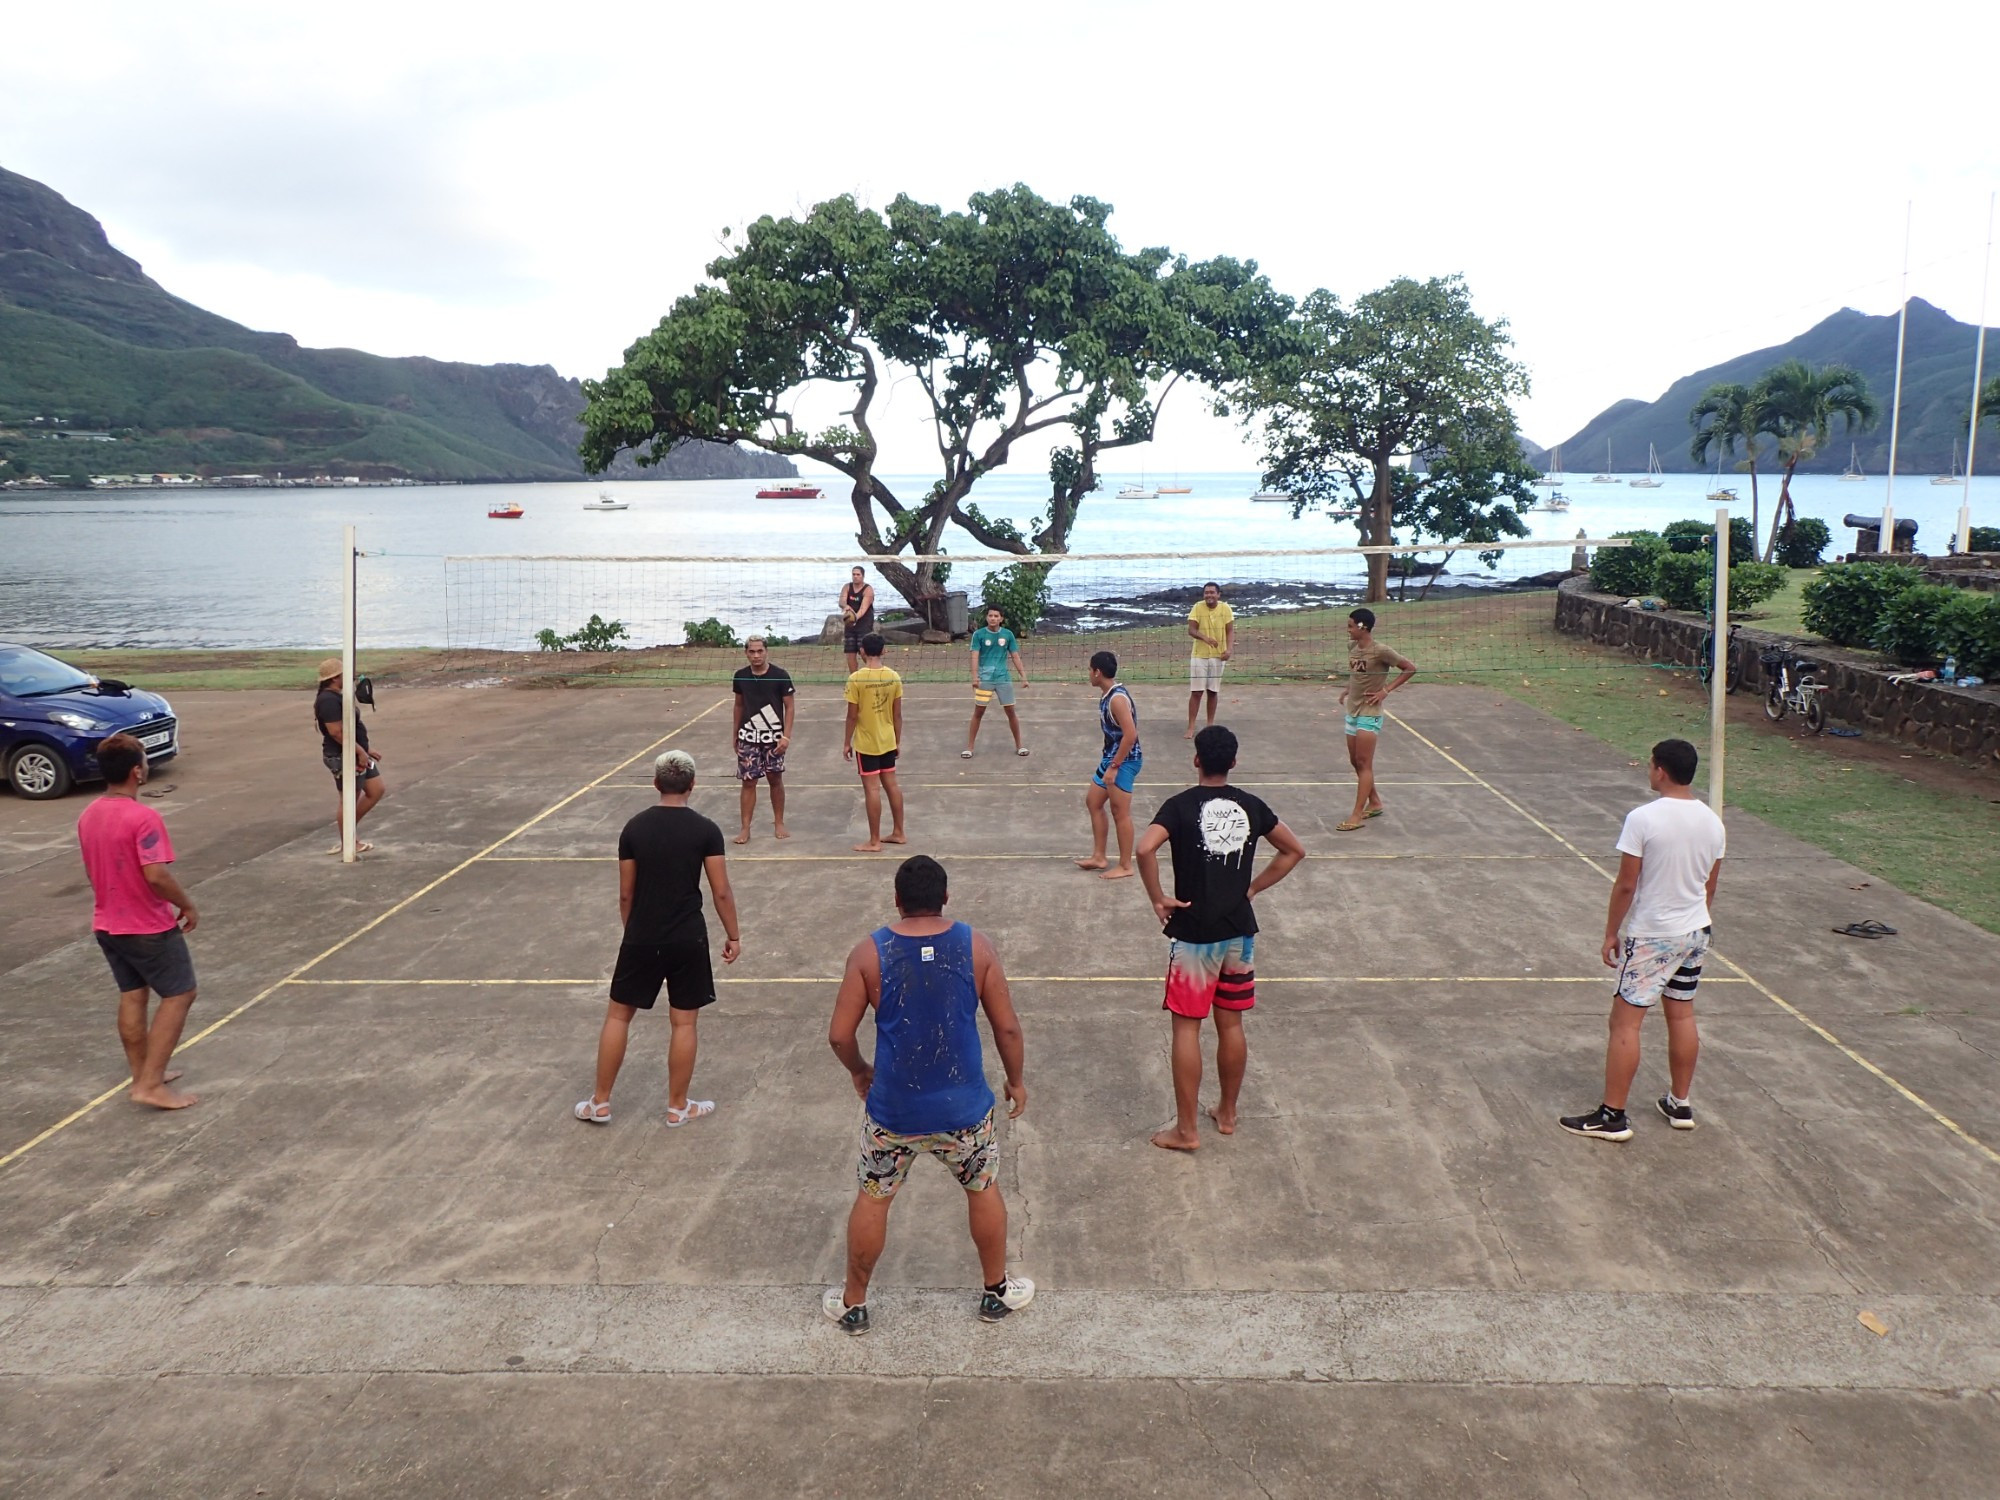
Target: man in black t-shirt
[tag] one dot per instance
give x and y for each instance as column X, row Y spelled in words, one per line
column 1213, row 828
column 368, row 784
column 662, row 855
column 764, row 704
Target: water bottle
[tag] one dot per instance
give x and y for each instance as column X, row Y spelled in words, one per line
column 1949, row 673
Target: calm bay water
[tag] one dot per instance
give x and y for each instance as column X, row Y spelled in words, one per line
column 251, row 568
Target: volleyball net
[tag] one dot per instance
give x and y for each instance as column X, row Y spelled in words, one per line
column 686, row 618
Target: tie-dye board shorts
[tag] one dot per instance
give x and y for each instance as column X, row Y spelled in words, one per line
column 1204, row 975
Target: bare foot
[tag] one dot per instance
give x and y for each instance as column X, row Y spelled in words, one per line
column 1171, row 1139
column 896, row 838
column 163, row 1098
column 741, row 838
column 1093, row 863
column 1190, row 734
column 782, row 831
column 1224, row 1123
column 171, row 1076
column 1121, row 873
column 867, row 848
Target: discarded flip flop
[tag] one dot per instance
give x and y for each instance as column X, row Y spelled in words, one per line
column 1844, row 734
column 1868, row 929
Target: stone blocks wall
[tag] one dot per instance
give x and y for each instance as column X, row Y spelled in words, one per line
column 1959, row 722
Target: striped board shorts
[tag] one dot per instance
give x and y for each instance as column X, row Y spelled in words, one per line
column 1661, row 966
column 1204, row 975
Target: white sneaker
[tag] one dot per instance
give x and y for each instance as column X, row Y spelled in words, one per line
column 1015, row 1293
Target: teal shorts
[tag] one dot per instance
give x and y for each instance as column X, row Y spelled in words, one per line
column 1125, row 780
column 1364, row 724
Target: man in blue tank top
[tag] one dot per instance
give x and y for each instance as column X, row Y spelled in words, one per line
column 1117, row 771
column 927, row 978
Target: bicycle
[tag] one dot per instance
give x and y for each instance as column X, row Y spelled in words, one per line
column 1792, row 687
column 1704, row 662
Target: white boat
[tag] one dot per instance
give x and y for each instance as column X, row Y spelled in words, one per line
column 605, row 502
column 1136, row 492
column 1607, row 477
column 1555, row 503
column 1957, row 475
column 1273, row 497
column 1852, row 472
column 1721, row 491
column 1652, row 481
column 1554, row 477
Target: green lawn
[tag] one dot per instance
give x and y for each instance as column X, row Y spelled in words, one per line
column 191, row 671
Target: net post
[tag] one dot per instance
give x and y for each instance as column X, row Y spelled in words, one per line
column 1718, row 673
column 348, row 757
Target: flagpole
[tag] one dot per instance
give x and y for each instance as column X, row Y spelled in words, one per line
column 1888, row 541
column 1978, row 374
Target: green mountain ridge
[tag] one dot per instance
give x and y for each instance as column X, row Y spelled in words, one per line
column 87, row 336
column 1937, row 397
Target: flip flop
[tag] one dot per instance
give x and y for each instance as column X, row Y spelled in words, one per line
column 696, row 1108
column 965, row 755
column 1376, row 812
column 1869, row 929
column 1349, row 826
column 1020, row 752
column 591, row 1112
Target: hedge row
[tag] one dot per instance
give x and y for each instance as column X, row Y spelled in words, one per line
column 1681, row 576
column 1888, row 606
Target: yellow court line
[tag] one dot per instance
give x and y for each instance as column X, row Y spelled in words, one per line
column 1909, row 1094
column 782, row 859
column 1020, row 979
column 1082, row 780
column 271, row 989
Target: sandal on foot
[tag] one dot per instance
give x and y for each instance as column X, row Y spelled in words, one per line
column 1349, row 826
column 364, row 847
column 965, row 755
column 696, row 1108
column 591, row 1111
column 1022, row 751
column 1376, row 812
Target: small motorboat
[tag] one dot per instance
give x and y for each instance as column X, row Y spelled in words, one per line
column 1273, row 497
column 508, row 512
column 1346, row 513
column 1136, row 492
column 789, row 492
column 604, row 501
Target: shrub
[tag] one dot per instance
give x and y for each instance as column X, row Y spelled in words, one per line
column 595, row 634
column 1626, row 571
column 1694, row 536
column 1020, row 592
column 1968, row 627
column 1907, row 628
column 1984, row 539
column 1681, row 578
column 1801, row 544
column 1750, row 584
column 709, row 632
column 1844, row 603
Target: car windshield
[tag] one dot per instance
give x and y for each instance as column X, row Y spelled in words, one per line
column 30, row 674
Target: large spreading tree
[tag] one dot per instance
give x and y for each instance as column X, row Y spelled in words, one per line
column 1020, row 320
column 1407, row 371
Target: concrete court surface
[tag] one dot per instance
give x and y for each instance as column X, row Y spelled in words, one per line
column 380, row 1257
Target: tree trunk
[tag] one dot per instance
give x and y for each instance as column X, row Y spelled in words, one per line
column 1756, row 520
column 1376, row 517
column 1781, row 513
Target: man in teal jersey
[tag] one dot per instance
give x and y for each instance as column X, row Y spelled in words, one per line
column 996, row 656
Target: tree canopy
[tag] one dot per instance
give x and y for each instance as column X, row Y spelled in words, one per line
column 1406, row 371
column 1726, row 416
column 1015, row 317
column 1800, row 405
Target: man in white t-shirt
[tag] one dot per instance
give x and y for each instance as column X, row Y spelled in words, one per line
column 1656, row 935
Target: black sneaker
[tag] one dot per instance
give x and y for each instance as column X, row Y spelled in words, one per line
column 1680, row 1116
column 1015, row 1293
column 1601, row 1124
column 849, row 1319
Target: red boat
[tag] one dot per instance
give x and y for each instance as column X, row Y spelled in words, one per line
column 790, row 492
column 508, row 512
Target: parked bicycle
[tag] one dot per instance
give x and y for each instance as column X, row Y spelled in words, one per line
column 1704, row 662
column 1791, row 686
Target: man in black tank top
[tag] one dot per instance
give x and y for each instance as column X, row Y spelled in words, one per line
column 857, row 615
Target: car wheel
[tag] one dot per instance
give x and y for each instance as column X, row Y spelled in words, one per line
column 39, row 772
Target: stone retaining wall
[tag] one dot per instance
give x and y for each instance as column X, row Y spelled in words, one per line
column 1960, row 722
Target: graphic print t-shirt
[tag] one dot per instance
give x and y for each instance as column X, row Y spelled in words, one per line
column 1368, row 669
column 669, row 845
column 993, row 647
column 1213, row 623
column 763, row 705
column 1213, row 832
column 326, row 710
column 119, row 838
column 874, row 690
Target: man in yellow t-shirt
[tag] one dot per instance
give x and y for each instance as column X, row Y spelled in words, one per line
column 1212, row 624
column 874, row 730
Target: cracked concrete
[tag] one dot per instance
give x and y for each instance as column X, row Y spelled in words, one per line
column 376, row 1258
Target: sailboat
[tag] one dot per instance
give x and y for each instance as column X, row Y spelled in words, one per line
column 1721, row 492
column 1554, row 478
column 1652, row 481
column 1957, row 475
column 1853, row 470
column 1606, row 477
column 1177, row 488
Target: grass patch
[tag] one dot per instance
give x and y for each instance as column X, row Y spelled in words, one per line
column 193, row 671
column 1779, row 614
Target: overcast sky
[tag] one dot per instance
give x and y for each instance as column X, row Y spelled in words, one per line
column 1639, row 190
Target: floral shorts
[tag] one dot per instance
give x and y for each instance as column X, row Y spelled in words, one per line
column 972, row 1154
column 1661, row 966
column 755, row 762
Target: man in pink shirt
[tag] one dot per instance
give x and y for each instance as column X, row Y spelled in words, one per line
column 139, row 914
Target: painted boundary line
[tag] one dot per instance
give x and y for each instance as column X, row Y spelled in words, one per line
column 1051, row 856
column 359, row 932
column 1148, row 979
column 1909, row 1094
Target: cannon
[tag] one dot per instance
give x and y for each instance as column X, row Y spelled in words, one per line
column 1868, row 534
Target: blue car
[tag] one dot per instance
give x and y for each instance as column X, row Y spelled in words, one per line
column 52, row 717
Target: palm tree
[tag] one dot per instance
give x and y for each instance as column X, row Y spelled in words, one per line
column 1728, row 414
column 1799, row 406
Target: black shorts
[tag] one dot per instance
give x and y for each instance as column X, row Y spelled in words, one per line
column 682, row 967
column 850, row 639
column 368, row 771
column 875, row 765
column 156, row 961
